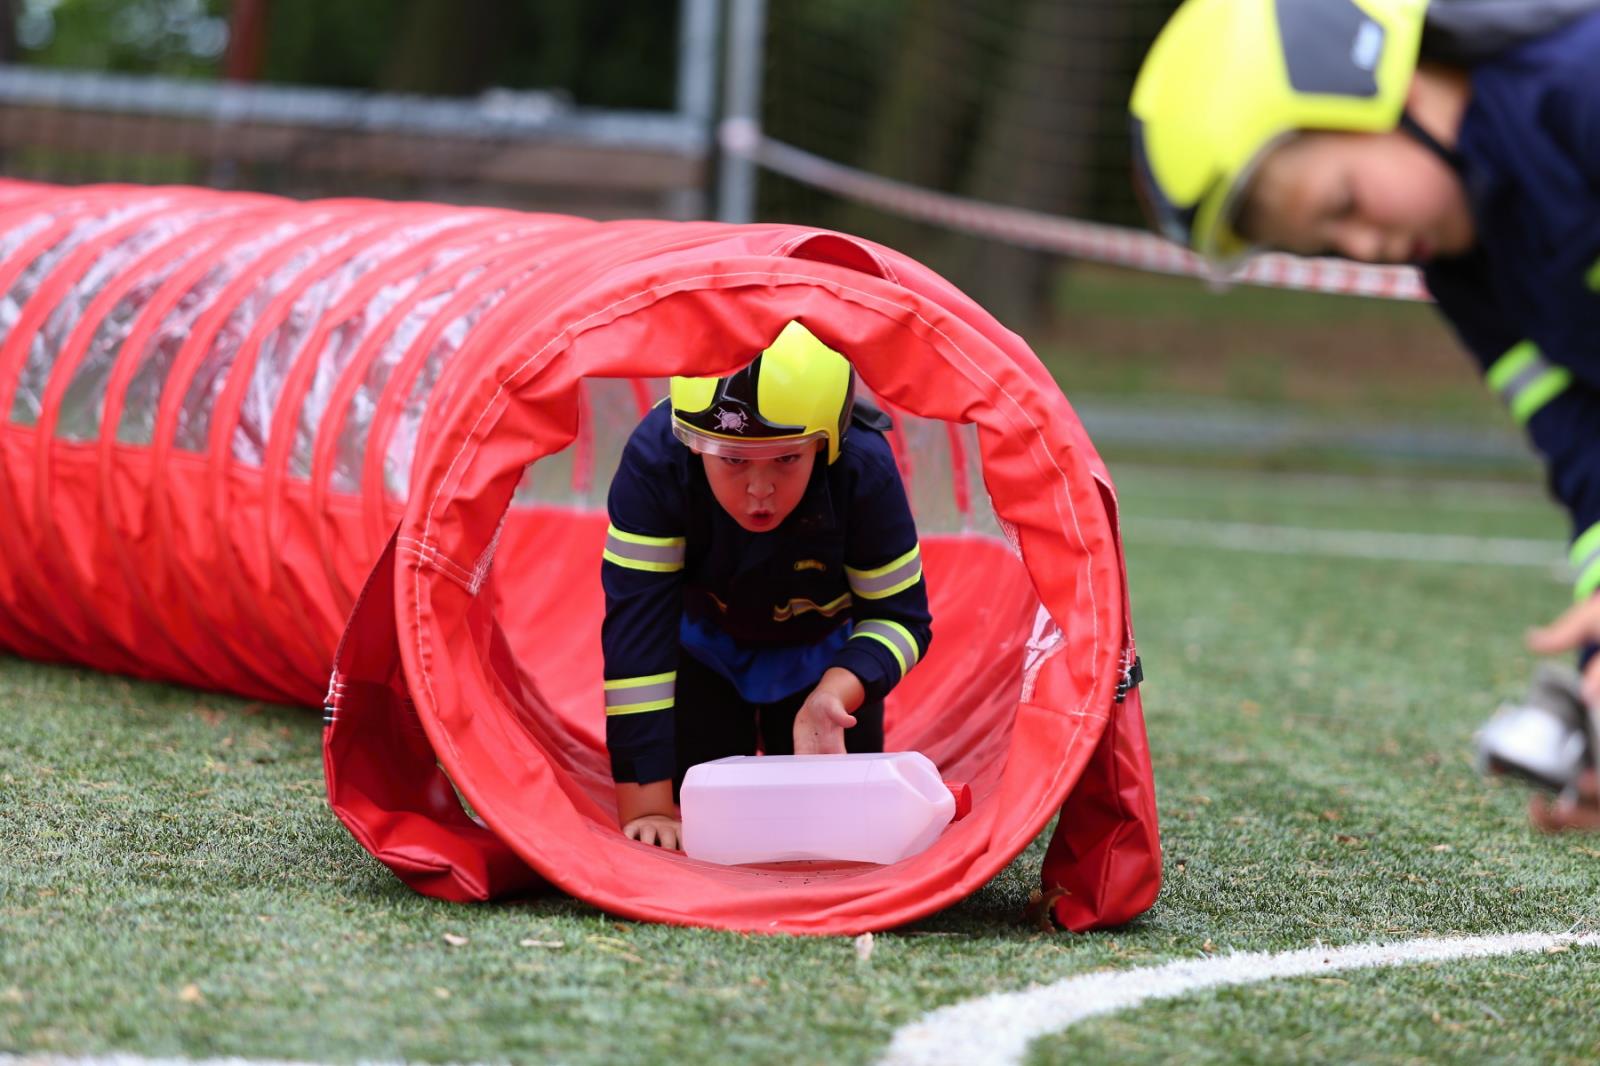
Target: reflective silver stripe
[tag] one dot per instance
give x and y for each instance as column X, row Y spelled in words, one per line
column 1521, row 380
column 637, row 695
column 627, row 697
column 636, row 552
column 886, row 581
column 1526, row 381
column 1586, row 562
column 896, row 636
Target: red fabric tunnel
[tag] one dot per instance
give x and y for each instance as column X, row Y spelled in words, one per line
column 226, row 415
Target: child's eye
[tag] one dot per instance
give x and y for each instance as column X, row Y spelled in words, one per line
column 729, row 460
column 788, row 460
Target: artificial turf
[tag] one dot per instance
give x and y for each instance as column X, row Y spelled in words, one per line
column 172, row 883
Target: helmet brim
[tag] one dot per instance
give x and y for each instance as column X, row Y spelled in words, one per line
column 740, row 448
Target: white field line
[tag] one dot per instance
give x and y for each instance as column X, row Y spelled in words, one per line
column 996, row 1030
column 1372, row 544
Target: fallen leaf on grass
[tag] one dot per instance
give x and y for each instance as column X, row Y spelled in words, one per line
column 1208, row 947
column 1443, row 847
column 191, row 994
column 454, row 940
column 621, row 953
column 863, row 947
column 612, row 946
column 1346, row 838
column 12, row 995
column 1555, row 949
column 542, row 943
column 442, row 993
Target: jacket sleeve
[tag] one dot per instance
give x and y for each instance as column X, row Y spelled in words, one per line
column 1559, row 411
column 642, row 573
column 883, row 564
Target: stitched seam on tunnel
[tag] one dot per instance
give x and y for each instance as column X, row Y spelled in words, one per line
column 429, row 553
column 427, row 557
column 770, row 278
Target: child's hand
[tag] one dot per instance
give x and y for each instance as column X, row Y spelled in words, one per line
column 825, row 715
column 819, row 726
column 662, row 830
column 1579, row 626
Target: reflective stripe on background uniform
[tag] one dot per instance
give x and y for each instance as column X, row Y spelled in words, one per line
column 1525, row 380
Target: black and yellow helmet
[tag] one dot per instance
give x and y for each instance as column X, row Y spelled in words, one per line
column 796, row 391
column 1227, row 79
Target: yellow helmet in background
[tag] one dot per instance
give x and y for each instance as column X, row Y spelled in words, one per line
column 1226, row 79
column 797, row 391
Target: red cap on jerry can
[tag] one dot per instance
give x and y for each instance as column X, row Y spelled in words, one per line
column 963, row 796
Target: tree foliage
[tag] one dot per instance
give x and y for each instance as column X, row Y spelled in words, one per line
column 604, row 53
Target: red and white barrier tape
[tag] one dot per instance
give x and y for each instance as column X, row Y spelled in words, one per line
column 1067, row 236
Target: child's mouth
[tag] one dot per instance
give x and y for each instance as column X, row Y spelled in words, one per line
column 760, row 518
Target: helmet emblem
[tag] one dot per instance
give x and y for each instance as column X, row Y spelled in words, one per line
column 733, row 421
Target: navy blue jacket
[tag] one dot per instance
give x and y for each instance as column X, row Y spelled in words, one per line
column 1526, row 299
column 838, row 583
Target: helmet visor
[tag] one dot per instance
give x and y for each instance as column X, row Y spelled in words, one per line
column 739, row 448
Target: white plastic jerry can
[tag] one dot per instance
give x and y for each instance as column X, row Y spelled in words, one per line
column 872, row 807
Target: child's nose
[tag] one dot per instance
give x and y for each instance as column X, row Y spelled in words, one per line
column 1362, row 244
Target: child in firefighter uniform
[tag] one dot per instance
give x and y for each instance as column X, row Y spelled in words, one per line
column 1391, row 132
column 762, row 576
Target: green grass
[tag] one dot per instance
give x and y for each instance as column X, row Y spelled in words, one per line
column 173, row 882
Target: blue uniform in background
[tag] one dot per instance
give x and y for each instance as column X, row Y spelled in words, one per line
column 1526, row 300
column 706, row 622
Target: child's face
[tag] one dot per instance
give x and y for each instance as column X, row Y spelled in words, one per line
column 1373, row 197
column 761, row 493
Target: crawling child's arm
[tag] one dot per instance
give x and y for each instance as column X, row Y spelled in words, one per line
column 829, row 710
column 648, row 815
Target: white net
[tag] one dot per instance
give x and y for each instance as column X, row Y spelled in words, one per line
column 988, row 138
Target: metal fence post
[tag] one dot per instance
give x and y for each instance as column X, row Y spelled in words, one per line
column 739, row 133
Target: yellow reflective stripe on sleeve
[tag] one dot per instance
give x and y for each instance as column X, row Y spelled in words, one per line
column 639, row 538
column 1593, row 277
column 640, row 682
column 894, row 636
column 1514, row 361
column 635, row 695
column 884, row 581
column 1540, row 391
column 1525, row 380
column 634, row 551
column 1586, row 563
column 638, row 708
